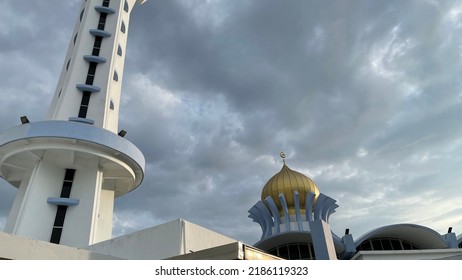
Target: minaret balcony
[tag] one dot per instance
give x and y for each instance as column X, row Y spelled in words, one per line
column 89, row 88
column 105, row 10
column 120, row 161
column 94, row 58
column 63, row 201
column 100, row 33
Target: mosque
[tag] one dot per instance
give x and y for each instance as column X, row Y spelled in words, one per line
column 291, row 203
column 69, row 168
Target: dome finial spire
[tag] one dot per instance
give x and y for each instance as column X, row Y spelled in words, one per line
column 283, row 156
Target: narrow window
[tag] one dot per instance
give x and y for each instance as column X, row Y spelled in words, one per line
column 396, row 245
column 91, row 73
column 386, row 244
column 75, row 37
column 111, row 105
column 68, row 63
column 97, row 45
column 283, row 252
column 294, row 253
column 102, row 21
column 61, row 211
column 304, row 251
column 116, row 76
column 126, row 6
column 123, row 28
column 84, row 104
column 376, row 244
column 119, row 50
column 312, row 255
column 81, row 14
column 85, row 99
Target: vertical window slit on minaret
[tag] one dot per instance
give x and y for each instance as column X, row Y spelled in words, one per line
column 91, row 73
column 123, row 27
column 126, row 6
column 102, row 21
column 97, row 45
column 83, row 110
column 81, row 14
column 84, row 104
column 62, row 209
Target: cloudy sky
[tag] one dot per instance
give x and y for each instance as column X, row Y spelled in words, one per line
column 364, row 97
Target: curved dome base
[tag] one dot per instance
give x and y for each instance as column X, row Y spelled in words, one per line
column 293, row 237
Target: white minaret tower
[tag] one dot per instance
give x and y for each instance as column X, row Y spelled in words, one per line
column 69, row 168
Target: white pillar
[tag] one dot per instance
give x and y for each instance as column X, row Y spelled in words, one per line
column 323, row 242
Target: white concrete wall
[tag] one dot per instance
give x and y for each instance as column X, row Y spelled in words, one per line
column 35, row 217
column 153, row 243
column 17, row 204
column 163, row 241
column 63, row 80
column 114, row 88
column 78, row 225
column 198, row 238
column 104, row 216
column 19, row 248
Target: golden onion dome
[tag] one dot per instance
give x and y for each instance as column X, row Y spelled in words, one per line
column 287, row 181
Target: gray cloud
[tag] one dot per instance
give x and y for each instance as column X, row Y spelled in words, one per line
column 363, row 96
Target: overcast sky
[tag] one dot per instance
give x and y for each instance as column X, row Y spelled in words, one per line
column 364, row 97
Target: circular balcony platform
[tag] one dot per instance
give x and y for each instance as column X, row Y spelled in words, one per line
column 71, row 145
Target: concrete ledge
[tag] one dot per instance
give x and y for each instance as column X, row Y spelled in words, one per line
column 63, row 201
column 89, row 88
column 94, row 58
column 100, row 33
column 105, row 10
